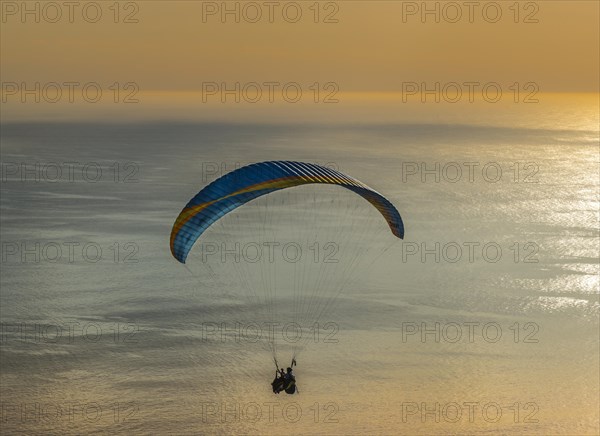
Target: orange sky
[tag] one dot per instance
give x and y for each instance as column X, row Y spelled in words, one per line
column 370, row 48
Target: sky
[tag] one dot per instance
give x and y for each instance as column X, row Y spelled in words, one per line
column 373, row 46
column 376, row 61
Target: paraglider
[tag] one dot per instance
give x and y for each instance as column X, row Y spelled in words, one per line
column 285, row 381
column 311, row 291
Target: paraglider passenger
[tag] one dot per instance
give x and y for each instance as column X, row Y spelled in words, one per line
column 279, row 382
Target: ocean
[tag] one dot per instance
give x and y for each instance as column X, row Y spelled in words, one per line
column 483, row 320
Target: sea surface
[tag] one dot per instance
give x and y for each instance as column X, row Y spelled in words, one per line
column 483, row 320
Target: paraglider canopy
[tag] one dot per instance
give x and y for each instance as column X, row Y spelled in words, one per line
column 247, row 183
